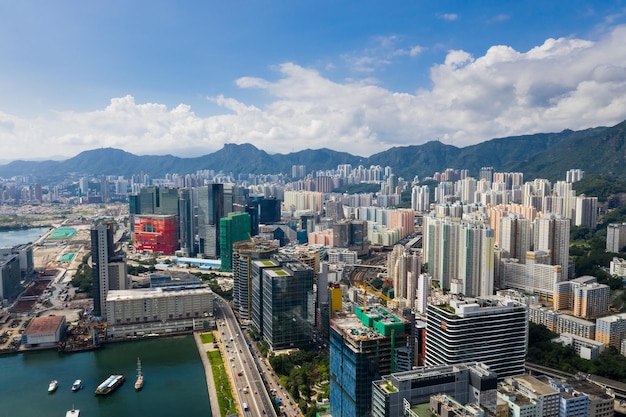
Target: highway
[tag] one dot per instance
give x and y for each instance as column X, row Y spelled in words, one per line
column 257, row 375
column 249, row 385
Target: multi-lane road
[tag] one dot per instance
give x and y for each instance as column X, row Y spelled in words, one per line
column 250, row 387
column 255, row 382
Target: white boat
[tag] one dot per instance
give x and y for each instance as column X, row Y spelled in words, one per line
column 78, row 384
column 139, row 381
column 72, row 413
column 54, row 384
column 110, row 384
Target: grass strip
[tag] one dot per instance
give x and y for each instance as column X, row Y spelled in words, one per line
column 222, row 384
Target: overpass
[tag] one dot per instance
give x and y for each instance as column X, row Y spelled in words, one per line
column 383, row 267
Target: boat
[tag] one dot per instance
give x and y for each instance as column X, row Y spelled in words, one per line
column 110, row 384
column 139, row 381
column 78, row 384
column 73, row 412
column 54, row 384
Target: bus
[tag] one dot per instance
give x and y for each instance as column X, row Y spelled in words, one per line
column 244, row 406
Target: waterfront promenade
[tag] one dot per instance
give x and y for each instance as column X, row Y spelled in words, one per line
column 202, row 349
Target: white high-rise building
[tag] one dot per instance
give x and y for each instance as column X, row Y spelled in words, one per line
column 514, row 236
column 615, row 237
column 586, row 212
column 574, row 175
column 492, row 330
column 476, row 266
column 460, row 255
column 423, row 292
column 420, row 198
column 404, row 268
column 551, row 234
column 441, row 248
column 467, row 189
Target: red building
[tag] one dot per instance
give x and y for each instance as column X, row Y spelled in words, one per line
column 156, row 233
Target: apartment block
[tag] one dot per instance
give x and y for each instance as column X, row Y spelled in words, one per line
column 471, row 383
column 562, row 323
column 611, row 330
column 492, row 330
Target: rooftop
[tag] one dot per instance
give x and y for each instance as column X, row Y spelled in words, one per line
column 44, row 325
column 143, row 293
column 537, row 386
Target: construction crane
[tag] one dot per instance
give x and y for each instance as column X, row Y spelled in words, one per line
column 378, row 294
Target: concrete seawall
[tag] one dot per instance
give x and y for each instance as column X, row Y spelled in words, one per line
column 208, row 372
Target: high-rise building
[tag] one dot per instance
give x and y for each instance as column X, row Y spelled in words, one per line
column 10, row 276
column 423, row 292
column 574, row 175
column 287, row 304
column 584, row 296
column 363, row 348
column 471, row 383
column 486, row 173
column 83, row 186
column 105, row 192
column 186, row 223
column 108, row 267
column 535, row 276
column 611, row 330
column 24, row 253
column 404, row 268
column 586, row 212
column 460, row 255
column 334, row 210
column 515, row 238
column 234, row 228
column 246, row 287
column 562, row 323
column 476, row 266
column 298, row 171
column 158, row 200
column 551, row 235
column 209, row 211
column 615, row 237
column 420, row 198
column 156, row 233
column 491, row 330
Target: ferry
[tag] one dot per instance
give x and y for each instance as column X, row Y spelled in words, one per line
column 72, row 413
column 110, row 384
column 54, row 384
column 78, row 384
column 139, row 381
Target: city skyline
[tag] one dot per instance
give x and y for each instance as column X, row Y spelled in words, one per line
column 161, row 78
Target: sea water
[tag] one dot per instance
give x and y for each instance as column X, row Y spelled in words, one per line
column 175, row 383
column 21, row 236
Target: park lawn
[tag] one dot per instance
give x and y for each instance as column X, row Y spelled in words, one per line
column 222, row 384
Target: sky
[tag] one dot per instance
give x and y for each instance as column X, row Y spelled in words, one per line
column 155, row 77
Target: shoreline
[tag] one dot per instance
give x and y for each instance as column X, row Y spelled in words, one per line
column 208, row 372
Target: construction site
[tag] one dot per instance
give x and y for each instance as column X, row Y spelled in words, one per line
column 48, row 291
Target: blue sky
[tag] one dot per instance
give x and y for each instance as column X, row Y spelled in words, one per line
column 183, row 78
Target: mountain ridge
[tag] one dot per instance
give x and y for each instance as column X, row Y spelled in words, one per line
column 540, row 155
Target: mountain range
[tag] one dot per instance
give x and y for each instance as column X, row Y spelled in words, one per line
column 541, row 155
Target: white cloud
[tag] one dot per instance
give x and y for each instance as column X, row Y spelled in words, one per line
column 450, row 17
column 562, row 83
column 416, row 50
column 499, row 18
column 382, row 52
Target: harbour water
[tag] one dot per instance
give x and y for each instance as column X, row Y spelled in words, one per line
column 17, row 237
column 175, row 384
